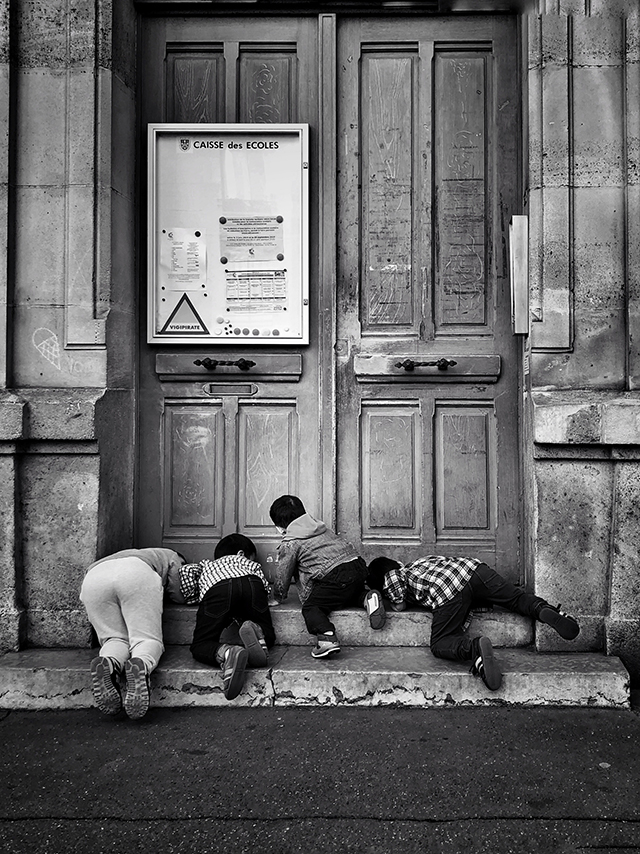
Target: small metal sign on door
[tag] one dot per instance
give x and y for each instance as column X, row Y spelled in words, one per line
column 228, row 234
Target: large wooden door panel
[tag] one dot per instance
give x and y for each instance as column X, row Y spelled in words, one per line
column 216, row 450
column 426, row 368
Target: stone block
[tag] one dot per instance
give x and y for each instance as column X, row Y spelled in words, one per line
column 598, row 138
column 59, row 507
column 12, row 416
column 56, row 33
column 555, row 127
column 80, row 143
column 573, row 534
column 614, row 7
column 41, row 359
column 5, row 30
column 13, row 628
column 599, row 248
column 621, row 422
column 554, row 40
column 62, row 414
column 41, row 157
column 625, row 578
column 590, row 639
column 40, row 246
column 58, row 629
column 623, row 641
column 586, row 417
column 598, row 41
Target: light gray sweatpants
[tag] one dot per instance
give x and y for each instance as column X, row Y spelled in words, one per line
column 123, row 598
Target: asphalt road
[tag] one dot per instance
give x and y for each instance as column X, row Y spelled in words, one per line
column 310, row 781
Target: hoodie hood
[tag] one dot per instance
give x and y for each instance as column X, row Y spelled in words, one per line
column 304, row 527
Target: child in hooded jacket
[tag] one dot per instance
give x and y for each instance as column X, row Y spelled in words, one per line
column 328, row 571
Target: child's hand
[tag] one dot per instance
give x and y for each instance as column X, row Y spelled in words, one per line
column 399, row 606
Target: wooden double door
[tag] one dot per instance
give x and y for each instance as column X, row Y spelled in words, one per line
column 398, row 423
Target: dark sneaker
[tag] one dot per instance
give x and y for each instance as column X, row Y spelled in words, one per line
column 104, row 684
column 233, row 667
column 375, row 609
column 325, row 645
column 484, row 664
column 253, row 640
column 137, row 695
column 566, row 625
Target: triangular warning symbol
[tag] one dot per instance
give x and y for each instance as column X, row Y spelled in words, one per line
column 184, row 320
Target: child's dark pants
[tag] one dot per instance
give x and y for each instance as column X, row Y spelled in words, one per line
column 343, row 587
column 239, row 599
column 485, row 586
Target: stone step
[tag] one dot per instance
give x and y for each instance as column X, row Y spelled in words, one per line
column 404, row 628
column 362, row 676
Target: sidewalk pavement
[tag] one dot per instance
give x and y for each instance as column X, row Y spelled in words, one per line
column 320, row 780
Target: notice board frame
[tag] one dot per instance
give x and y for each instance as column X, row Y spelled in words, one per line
column 228, row 234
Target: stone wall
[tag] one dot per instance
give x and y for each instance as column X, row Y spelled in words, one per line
column 582, row 366
column 67, row 298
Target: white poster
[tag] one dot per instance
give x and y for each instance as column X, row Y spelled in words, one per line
column 228, row 233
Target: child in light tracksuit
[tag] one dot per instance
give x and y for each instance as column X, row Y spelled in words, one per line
column 233, row 623
column 123, row 594
column 330, row 574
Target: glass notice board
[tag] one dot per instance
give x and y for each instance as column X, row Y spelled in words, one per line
column 228, row 234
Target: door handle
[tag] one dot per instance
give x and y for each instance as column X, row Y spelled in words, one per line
column 440, row 364
column 212, row 364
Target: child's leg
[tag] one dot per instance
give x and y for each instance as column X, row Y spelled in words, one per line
column 250, row 602
column 488, row 586
column 214, row 615
column 448, row 638
column 491, row 587
column 103, row 610
column 341, row 588
column 140, row 591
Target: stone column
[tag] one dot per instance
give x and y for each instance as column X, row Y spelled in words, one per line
column 67, row 67
column 583, row 362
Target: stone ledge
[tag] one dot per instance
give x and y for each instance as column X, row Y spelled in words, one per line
column 395, row 676
column 586, row 418
column 404, row 628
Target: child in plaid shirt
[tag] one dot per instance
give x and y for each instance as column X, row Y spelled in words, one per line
column 450, row 587
column 233, row 624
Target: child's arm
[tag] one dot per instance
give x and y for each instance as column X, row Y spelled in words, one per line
column 395, row 589
column 284, row 570
column 190, row 582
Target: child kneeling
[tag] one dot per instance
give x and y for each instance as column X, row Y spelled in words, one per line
column 329, row 572
column 233, row 623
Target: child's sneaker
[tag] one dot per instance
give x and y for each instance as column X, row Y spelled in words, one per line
column 252, row 637
column 566, row 625
column 137, row 695
column 325, row 645
column 233, row 667
column 484, row 664
column 104, row 684
column 375, row 609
